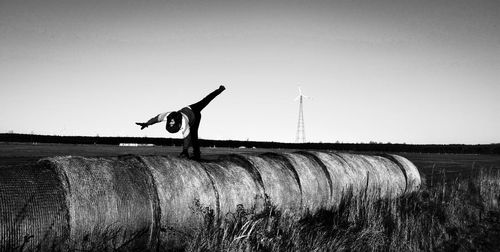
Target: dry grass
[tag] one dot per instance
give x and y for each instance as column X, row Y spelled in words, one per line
column 463, row 215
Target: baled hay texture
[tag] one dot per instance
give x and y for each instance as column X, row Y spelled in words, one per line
column 413, row 176
column 186, row 195
column 135, row 201
column 281, row 183
column 107, row 198
column 33, row 214
column 315, row 181
column 236, row 188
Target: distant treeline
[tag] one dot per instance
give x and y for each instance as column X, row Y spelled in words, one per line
column 368, row 147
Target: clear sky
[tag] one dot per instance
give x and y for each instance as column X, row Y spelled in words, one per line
column 425, row 71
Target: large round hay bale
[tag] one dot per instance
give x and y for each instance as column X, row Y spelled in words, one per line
column 341, row 175
column 362, row 174
column 346, row 171
column 111, row 202
column 33, row 213
column 413, row 176
column 238, row 190
column 385, row 177
column 281, row 181
column 315, row 180
column 131, row 202
column 187, row 196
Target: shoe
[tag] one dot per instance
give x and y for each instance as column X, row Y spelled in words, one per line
column 184, row 154
column 196, row 157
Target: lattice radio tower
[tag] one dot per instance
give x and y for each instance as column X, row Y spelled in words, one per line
column 300, row 137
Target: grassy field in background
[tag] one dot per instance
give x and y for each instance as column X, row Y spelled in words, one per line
column 21, row 153
column 433, row 166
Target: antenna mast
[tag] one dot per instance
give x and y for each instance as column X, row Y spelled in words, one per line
column 300, row 137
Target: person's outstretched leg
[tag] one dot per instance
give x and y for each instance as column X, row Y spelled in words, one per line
column 197, row 108
column 205, row 101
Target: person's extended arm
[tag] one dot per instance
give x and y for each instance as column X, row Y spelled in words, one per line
column 156, row 119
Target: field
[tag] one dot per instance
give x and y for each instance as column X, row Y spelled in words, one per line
column 432, row 165
column 458, row 210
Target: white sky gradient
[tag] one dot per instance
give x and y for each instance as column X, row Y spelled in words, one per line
column 420, row 72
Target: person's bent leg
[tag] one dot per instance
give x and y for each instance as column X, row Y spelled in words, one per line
column 196, row 149
column 194, row 138
column 185, row 147
column 205, row 101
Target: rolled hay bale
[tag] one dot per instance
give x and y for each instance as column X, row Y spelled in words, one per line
column 342, row 175
column 316, row 184
column 110, row 202
column 280, row 180
column 414, row 179
column 375, row 176
column 133, row 202
column 187, row 197
column 33, row 214
column 347, row 174
column 385, row 178
column 238, row 188
column 368, row 179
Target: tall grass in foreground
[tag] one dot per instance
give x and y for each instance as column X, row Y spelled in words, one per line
column 463, row 215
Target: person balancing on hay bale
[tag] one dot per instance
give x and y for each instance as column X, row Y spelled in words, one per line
column 187, row 118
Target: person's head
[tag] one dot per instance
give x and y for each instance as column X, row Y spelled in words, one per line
column 174, row 122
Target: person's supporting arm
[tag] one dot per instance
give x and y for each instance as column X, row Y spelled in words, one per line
column 156, row 119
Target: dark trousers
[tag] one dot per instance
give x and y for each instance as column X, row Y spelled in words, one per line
column 197, row 108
